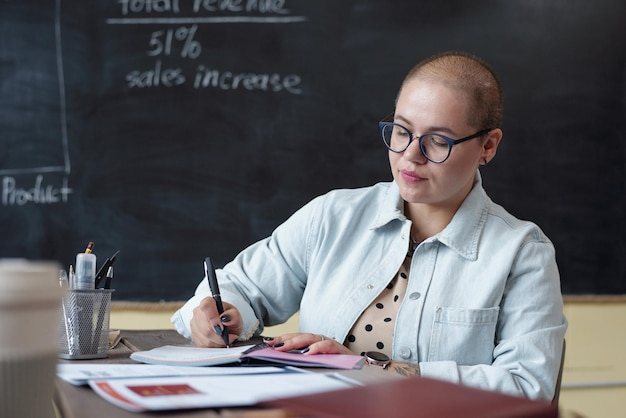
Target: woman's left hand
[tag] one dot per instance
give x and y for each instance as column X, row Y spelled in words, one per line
column 307, row 343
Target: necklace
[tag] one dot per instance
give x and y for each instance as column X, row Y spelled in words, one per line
column 413, row 243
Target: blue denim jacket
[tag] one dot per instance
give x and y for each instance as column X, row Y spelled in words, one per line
column 483, row 305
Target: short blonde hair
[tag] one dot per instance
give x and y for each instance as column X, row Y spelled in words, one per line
column 472, row 77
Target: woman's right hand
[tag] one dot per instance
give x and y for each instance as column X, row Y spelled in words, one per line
column 206, row 322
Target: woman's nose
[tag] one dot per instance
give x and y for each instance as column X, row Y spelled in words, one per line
column 414, row 152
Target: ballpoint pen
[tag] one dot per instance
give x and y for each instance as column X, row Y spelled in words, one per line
column 63, row 279
column 215, row 290
column 104, row 269
column 72, row 278
column 103, row 310
column 109, row 277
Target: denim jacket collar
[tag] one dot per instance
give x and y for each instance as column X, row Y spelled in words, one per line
column 461, row 234
column 390, row 207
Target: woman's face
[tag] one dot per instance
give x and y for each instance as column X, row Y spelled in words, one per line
column 426, row 106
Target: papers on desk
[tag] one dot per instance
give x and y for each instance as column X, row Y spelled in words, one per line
column 168, row 393
column 169, row 383
column 81, row 373
column 194, row 356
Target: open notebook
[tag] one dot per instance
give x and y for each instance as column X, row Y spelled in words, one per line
column 250, row 354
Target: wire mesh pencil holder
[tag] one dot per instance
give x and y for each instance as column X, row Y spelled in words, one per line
column 84, row 328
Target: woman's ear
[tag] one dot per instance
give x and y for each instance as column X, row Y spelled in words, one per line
column 490, row 145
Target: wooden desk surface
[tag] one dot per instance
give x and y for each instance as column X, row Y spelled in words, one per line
column 82, row 402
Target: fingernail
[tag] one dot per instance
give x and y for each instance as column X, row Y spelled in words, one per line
column 225, row 318
column 218, row 330
column 278, row 345
column 268, row 338
column 305, row 350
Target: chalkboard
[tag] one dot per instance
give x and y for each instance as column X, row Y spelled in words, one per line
column 175, row 129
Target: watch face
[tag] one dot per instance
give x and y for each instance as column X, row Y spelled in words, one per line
column 377, row 356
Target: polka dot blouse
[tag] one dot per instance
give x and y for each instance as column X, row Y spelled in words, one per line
column 373, row 331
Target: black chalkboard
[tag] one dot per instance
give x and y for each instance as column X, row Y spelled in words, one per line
column 175, row 129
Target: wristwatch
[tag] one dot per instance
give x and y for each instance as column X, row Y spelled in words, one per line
column 375, row 358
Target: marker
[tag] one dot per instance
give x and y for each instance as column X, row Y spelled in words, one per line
column 215, row 290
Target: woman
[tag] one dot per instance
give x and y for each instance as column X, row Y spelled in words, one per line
column 425, row 269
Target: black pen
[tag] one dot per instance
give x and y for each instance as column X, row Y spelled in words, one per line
column 104, row 269
column 109, row 277
column 215, row 290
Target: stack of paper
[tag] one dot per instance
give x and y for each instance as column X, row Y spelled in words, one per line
column 154, row 394
column 168, row 382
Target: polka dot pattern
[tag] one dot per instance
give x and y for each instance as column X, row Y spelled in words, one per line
column 373, row 331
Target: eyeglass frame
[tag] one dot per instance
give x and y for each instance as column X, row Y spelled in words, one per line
column 451, row 142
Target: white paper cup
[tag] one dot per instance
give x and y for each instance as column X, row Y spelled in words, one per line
column 30, row 306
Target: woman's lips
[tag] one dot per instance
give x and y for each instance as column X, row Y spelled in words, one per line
column 410, row 177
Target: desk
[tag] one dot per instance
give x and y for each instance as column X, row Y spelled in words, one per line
column 412, row 397
column 82, row 402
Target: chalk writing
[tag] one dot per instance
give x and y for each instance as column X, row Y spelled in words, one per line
column 161, row 42
column 227, row 80
column 167, row 77
column 148, row 6
column 129, row 7
column 262, row 6
column 40, row 193
column 183, row 41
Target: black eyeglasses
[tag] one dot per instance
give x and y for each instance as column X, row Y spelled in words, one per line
column 435, row 147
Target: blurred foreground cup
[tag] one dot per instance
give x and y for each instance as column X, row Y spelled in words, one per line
column 30, row 306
